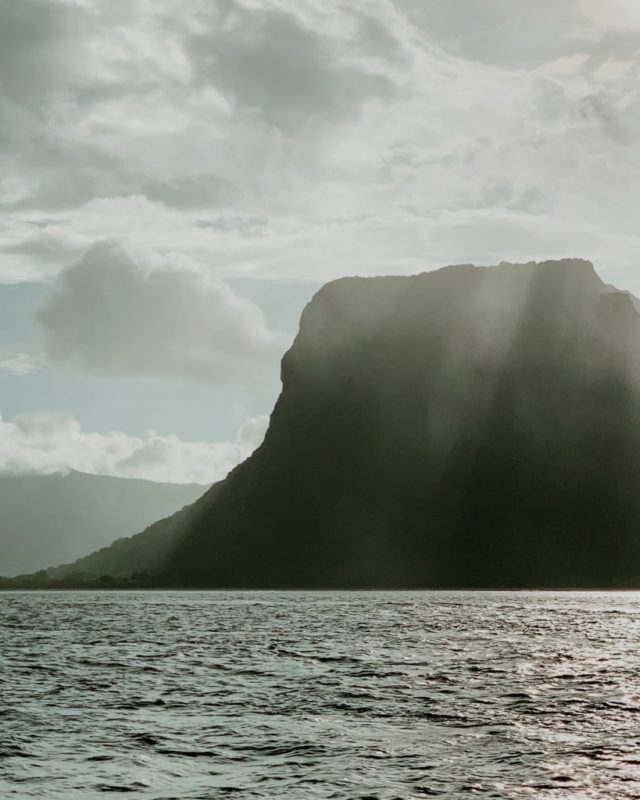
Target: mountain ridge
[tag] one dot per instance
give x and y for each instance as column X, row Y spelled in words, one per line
column 61, row 516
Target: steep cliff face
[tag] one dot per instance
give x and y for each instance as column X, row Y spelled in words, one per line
column 465, row 427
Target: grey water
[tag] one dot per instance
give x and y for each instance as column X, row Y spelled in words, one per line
column 319, row 695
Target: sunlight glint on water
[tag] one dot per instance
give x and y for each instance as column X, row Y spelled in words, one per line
column 301, row 694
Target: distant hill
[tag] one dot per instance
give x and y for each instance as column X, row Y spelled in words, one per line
column 52, row 519
column 468, row 427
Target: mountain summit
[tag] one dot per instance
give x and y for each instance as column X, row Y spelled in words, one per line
column 468, row 427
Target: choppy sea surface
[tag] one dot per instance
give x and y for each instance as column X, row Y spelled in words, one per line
column 319, row 695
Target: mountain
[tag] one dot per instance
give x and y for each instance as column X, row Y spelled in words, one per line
column 467, row 427
column 49, row 519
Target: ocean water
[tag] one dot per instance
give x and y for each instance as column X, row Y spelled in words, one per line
column 319, row 695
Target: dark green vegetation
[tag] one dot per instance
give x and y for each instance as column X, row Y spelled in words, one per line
column 49, row 519
column 469, row 427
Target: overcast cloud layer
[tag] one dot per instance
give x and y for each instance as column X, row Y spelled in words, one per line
column 152, row 152
column 271, row 137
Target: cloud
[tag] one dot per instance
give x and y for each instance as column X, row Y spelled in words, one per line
column 274, row 138
column 267, row 59
column 124, row 311
column 192, row 109
column 602, row 108
column 44, row 443
column 622, row 16
column 19, row 364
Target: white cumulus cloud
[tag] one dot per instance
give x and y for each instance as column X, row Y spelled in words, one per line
column 46, row 443
column 128, row 311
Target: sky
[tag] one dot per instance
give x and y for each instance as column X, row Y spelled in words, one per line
column 178, row 177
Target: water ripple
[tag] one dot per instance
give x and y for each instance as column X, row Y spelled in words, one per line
column 403, row 695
